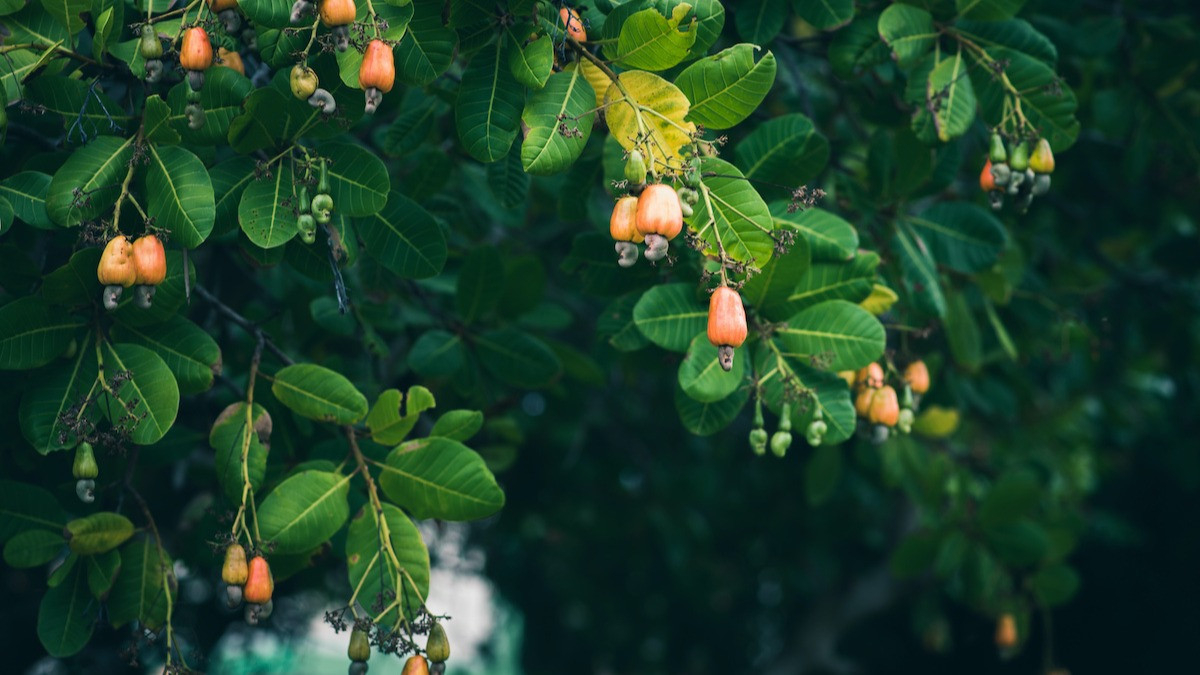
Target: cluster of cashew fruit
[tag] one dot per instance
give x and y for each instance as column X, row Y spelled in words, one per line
column 85, row 470
column 318, row 211
column 651, row 213
column 1021, row 172
column 877, row 403
column 781, row 440
column 124, row 264
column 376, row 75
column 251, row 583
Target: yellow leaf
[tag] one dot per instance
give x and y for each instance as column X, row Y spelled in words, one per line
column 936, row 422
column 880, row 300
column 650, row 114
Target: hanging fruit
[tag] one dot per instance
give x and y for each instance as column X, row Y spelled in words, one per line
column 1042, row 165
column 85, row 470
column 116, row 271
column 726, row 324
column 232, row 60
column 259, row 584
column 885, row 407
column 635, row 171
column 659, row 219
column 1006, row 631
column 574, row 24
column 622, row 225
column 338, row 15
column 226, row 11
column 781, row 440
column 437, row 646
column 415, row 665
column 303, row 81
column 150, row 262
column 359, row 649
column 987, row 182
column 195, row 55
column 870, row 376
column 377, row 74
column 917, row 377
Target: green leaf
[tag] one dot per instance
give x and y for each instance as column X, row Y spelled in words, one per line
column 650, row 41
column 908, row 31
column 532, row 64
column 388, row 426
column 988, row 10
column 701, row 375
column 779, row 278
column 508, row 182
column 487, row 112
column 66, row 616
column 706, row 419
column 709, row 18
column 104, row 26
column 419, row 113
column 821, row 474
column 188, row 350
column 851, row 281
column 730, row 212
column 33, row 333
column 102, row 572
column 857, row 47
column 358, row 180
column 20, row 64
column 1047, row 102
column 829, row 236
column 404, row 238
column 962, row 236
column 156, row 121
column 962, row 332
column 68, row 12
column 479, row 284
column 319, row 393
column 919, row 273
column 1015, row 34
column 564, row 100
column 26, row 507
column 6, row 215
column 1015, row 495
column 26, row 192
column 1020, row 543
column 229, row 181
column 148, row 400
column 179, row 194
column 440, row 478
column 851, row 334
column 437, row 353
column 670, row 316
column 85, row 112
column 832, row 394
column 1055, row 585
column 370, row 568
column 825, row 14
column 759, row 21
column 949, row 93
column 304, row 511
column 726, row 87
column 427, row 49
column 517, row 358
column 458, row 425
column 74, row 283
column 266, row 210
column 228, row 436
column 617, row 325
column 33, row 548
column 94, row 172
column 98, row 533
column 786, row 150
column 273, row 13
column 140, row 591
column 33, row 24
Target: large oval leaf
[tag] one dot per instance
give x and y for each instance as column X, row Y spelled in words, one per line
column 370, row 568
column 726, row 87
column 358, row 180
column 179, row 194
column 147, row 397
column 98, row 533
column 669, row 315
column 563, row 102
column 961, row 236
column 140, row 591
column 427, row 49
column 404, row 238
column 908, row 31
column 840, row 333
column 437, row 353
column 33, row 333
column 88, row 183
column 66, row 616
column 51, row 406
column 701, row 375
column 786, row 150
column 27, row 507
column 517, row 358
column 319, row 393
column 188, row 350
column 266, row 211
column 440, row 478
column 487, row 112
column 731, row 215
column 304, row 511
column 706, row 419
column 651, row 41
column 228, row 437
column 829, row 236
column 949, row 94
